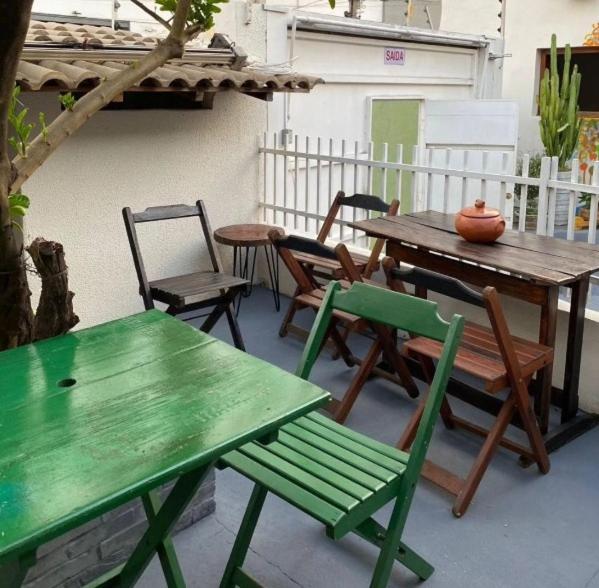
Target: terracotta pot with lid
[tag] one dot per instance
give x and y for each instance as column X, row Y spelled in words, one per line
column 479, row 224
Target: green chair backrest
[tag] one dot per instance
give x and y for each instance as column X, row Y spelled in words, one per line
column 401, row 311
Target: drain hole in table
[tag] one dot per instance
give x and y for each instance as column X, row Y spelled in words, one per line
column 67, row 382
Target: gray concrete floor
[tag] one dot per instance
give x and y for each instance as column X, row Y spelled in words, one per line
column 522, row 530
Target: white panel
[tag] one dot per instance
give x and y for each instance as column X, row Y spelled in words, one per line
column 484, row 123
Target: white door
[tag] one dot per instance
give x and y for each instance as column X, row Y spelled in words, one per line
column 476, row 135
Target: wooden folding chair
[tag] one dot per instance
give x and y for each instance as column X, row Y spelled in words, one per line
column 489, row 354
column 327, row 269
column 189, row 292
column 337, row 476
column 310, row 295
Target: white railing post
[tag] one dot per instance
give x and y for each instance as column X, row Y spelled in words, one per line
column 416, row 195
column 307, row 186
column 318, row 152
column 572, row 202
column 446, row 181
column 274, row 176
column 543, row 196
column 522, row 212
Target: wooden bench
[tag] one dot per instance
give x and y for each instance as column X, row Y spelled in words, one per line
column 337, row 476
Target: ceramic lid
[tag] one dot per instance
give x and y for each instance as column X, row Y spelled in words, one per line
column 479, row 210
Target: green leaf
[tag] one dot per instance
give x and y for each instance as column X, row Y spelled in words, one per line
column 18, row 204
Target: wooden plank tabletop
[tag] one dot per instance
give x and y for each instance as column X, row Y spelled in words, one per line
column 152, row 398
column 538, row 259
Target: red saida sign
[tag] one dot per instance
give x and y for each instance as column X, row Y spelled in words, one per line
column 395, row 56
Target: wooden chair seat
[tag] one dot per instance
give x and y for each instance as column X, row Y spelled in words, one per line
column 182, row 290
column 479, row 355
column 333, row 266
column 330, row 472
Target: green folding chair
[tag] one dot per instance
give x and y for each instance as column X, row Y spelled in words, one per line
column 338, row 476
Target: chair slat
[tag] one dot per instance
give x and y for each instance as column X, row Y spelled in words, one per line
column 324, row 472
column 387, row 450
column 383, row 474
column 320, row 509
column 336, row 465
column 300, row 477
column 352, row 445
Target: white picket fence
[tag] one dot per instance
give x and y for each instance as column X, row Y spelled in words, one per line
column 302, row 178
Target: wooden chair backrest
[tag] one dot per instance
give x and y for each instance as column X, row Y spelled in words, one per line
column 287, row 244
column 400, row 311
column 363, row 202
column 425, row 280
column 161, row 213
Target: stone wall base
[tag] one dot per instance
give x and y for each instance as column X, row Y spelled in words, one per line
column 74, row 559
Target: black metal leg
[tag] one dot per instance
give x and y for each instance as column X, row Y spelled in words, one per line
column 241, row 268
column 272, row 261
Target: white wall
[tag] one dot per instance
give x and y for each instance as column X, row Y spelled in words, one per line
column 353, row 70
column 141, row 159
column 529, row 25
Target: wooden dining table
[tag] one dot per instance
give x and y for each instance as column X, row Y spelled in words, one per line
column 95, row 418
column 525, row 266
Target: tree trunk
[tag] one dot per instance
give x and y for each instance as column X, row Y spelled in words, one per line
column 16, row 316
column 54, row 314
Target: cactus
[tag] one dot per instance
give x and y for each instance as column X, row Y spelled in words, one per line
column 558, row 106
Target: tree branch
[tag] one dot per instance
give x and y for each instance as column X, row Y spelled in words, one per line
column 14, row 20
column 153, row 14
column 69, row 121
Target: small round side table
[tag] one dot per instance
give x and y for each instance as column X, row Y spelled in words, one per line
column 243, row 238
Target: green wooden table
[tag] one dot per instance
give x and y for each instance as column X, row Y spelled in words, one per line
column 95, row 418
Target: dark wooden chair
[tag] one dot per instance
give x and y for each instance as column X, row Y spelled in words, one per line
column 189, row 292
column 335, row 475
column 490, row 355
column 330, row 269
column 310, row 294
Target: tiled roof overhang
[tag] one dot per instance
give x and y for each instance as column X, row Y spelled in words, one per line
column 68, row 57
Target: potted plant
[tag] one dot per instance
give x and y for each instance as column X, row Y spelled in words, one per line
column 559, row 123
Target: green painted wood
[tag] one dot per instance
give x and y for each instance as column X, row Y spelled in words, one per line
column 353, row 445
column 165, row 549
column 331, row 462
column 387, row 450
column 383, row 474
column 13, row 573
column 310, row 503
column 153, row 399
column 417, row 454
column 376, row 534
column 323, row 472
column 401, row 311
column 301, row 477
column 277, row 471
column 159, row 528
column 244, row 536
